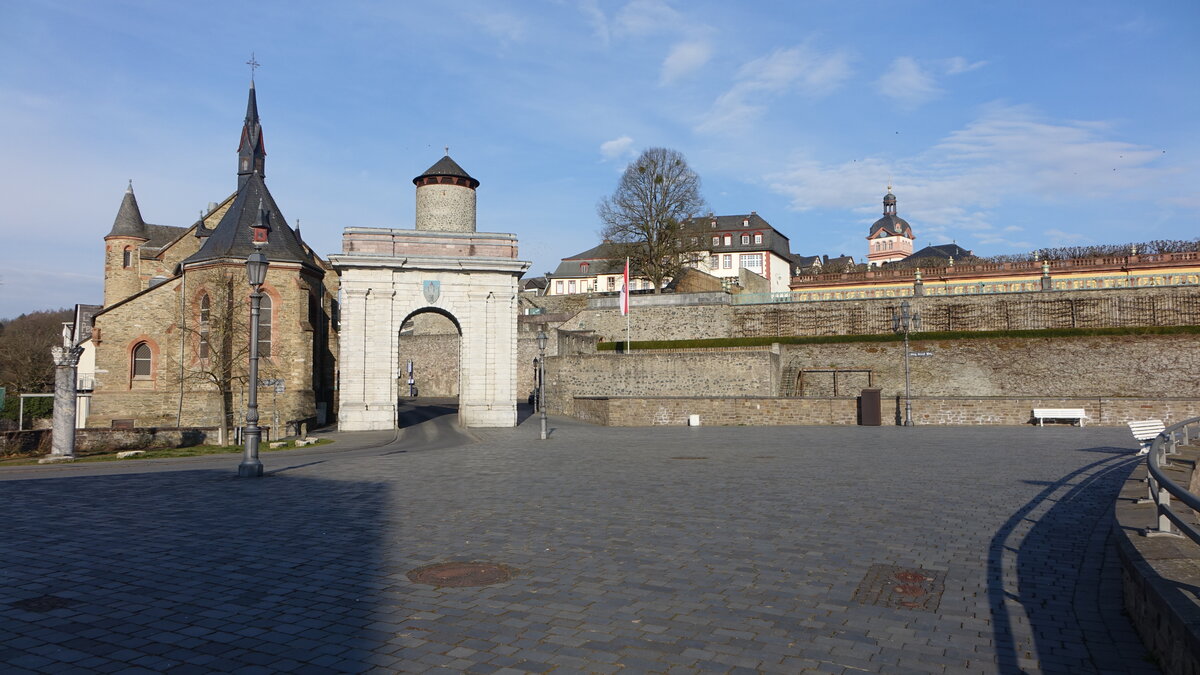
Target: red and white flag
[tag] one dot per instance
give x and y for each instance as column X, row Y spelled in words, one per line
column 625, row 291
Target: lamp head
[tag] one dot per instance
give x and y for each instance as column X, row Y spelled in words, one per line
column 256, row 269
column 542, row 338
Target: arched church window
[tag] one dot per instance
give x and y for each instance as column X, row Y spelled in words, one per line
column 205, row 313
column 142, row 360
column 264, row 326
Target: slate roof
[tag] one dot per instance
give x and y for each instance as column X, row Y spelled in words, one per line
column 602, row 259
column 773, row 240
column 128, row 222
column 231, row 237
column 892, row 225
column 447, row 167
column 941, row 251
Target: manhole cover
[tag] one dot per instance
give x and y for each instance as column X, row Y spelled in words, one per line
column 892, row 586
column 43, row 603
column 460, row 574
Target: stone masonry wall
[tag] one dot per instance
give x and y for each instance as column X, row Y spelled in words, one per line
column 435, row 363
column 974, row 374
column 1126, row 365
column 445, row 208
column 155, row 317
column 763, row 411
column 90, row 441
column 1012, row 311
column 718, row 373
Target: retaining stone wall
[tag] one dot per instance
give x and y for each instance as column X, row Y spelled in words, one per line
column 712, row 373
column 1120, row 366
column 1012, row 311
column 764, row 411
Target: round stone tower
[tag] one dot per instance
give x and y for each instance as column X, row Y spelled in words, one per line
column 122, row 274
column 446, row 198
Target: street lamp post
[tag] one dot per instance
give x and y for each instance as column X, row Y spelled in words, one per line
column 541, row 341
column 256, row 274
column 904, row 322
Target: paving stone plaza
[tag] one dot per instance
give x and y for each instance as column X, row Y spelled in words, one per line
column 678, row 550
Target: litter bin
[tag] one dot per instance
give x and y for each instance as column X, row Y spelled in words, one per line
column 870, row 411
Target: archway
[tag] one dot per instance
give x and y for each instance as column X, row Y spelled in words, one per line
column 429, row 356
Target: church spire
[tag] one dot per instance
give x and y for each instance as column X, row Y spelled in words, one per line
column 129, row 221
column 252, row 151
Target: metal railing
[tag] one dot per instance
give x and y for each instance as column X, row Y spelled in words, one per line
column 1162, row 488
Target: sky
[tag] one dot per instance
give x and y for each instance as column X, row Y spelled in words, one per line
column 1003, row 127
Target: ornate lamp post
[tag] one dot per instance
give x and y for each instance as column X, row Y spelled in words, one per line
column 541, row 341
column 904, row 322
column 256, row 274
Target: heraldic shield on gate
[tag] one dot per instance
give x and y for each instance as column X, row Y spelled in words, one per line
column 431, row 289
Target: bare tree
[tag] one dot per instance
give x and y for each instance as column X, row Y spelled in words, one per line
column 25, row 342
column 644, row 217
column 217, row 336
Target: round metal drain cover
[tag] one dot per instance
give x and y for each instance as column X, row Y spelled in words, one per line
column 461, row 574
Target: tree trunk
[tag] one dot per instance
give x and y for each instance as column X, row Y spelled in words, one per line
column 223, row 433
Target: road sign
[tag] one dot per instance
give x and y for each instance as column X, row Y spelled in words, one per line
column 920, row 353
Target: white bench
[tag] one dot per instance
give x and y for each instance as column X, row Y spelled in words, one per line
column 1145, row 432
column 1043, row 414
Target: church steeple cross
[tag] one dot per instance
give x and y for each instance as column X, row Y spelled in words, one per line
column 253, row 65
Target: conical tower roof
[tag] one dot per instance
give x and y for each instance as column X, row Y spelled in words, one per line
column 129, row 221
column 446, row 167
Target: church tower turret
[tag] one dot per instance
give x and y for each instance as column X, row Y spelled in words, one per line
column 446, row 198
column 891, row 237
column 121, row 261
column 252, row 151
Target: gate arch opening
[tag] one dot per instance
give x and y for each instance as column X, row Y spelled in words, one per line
column 429, row 353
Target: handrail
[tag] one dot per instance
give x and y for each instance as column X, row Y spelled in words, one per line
column 1162, row 488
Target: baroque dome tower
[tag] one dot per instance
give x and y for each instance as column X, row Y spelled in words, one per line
column 891, row 237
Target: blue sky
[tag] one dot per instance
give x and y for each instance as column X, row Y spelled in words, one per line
column 1005, row 127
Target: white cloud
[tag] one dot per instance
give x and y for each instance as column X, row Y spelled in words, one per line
column 647, row 17
column 597, row 18
column 616, row 148
column 799, row 69
column 684, row 59
column 957, row 65
column 907, row 83
column 1007, row 154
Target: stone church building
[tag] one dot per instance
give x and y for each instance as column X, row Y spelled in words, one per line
column 172, row 338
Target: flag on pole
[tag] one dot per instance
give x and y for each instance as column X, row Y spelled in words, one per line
column 625, row 291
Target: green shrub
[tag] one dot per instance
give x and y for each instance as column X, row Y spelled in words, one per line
column 35, row 408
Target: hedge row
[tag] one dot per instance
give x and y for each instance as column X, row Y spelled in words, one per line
column 892, row 337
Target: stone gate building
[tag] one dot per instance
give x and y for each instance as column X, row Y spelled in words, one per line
column 390, row 276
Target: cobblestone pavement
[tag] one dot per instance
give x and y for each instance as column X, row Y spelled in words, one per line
column 680, row 550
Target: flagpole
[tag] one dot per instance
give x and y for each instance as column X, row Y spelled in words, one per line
column 625, row 304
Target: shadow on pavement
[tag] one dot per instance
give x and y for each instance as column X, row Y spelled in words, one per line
column 191, row 567
column 1064, row 564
